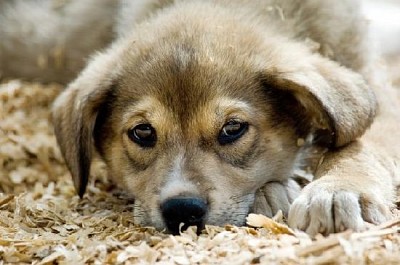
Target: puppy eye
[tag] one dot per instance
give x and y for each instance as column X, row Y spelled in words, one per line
column 231, row 131
column 143, row 134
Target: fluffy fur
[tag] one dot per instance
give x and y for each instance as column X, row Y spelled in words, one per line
column 289, row 69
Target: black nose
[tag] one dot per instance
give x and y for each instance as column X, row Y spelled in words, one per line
column 189, row 211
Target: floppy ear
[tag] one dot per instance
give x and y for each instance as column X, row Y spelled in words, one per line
column 74, row 116
column 336, row 98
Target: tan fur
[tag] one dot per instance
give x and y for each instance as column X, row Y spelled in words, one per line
column 290, row 69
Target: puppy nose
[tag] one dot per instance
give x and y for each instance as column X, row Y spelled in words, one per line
column 189, row 211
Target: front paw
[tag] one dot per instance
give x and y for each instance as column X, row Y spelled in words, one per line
column 275, row 196
column 323, row 209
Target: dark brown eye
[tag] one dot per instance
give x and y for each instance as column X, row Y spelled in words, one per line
column 143, row 135
column 232, row 131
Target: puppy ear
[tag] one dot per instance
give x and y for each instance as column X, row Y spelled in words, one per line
column 335, row 97
column 74, row 117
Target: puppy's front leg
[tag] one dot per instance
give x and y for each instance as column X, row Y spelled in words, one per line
column 353, row 186
column 275, row 196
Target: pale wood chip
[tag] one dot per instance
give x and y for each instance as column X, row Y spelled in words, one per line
column 259, row 220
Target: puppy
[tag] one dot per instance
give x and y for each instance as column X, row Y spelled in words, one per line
column 208, row 110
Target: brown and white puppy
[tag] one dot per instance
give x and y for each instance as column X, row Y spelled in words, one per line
column 198, row 107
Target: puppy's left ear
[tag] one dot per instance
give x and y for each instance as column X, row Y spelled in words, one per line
column 75, row 112
column 334, row 97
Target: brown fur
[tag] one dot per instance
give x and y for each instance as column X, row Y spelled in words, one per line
column 193, row 66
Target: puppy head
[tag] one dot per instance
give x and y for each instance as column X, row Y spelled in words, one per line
column 193, row 127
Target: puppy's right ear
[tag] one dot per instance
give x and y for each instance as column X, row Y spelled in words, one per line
column 75, row 112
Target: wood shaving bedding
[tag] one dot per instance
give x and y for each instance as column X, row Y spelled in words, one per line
column 42, row 221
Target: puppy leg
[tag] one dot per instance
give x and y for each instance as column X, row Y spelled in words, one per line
column 275, row 196
column 354, row 186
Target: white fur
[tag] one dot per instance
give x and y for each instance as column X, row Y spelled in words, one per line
column 177, row 183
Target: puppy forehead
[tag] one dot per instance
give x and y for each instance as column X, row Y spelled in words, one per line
column 187, row 84
column 186, row 72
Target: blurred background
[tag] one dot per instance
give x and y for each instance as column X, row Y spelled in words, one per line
column 384, row 17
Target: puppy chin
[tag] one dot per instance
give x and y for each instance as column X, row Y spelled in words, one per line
column 230, row 211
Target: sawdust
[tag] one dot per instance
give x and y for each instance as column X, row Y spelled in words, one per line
column 42, row 221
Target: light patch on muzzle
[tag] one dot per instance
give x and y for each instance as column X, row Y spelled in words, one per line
column 177, row 183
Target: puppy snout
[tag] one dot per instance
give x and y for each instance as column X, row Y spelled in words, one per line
column 186, row 211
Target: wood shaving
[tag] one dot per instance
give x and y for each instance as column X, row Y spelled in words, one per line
column 43, row 221
column 259, row 220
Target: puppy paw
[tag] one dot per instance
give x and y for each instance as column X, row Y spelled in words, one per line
column 275, row 196
column 325, row 210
